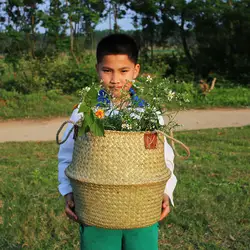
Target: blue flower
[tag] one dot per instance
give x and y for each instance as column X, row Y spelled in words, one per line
column 104, row 99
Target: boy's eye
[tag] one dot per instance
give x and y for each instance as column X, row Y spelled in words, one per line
column 125, row 70
column 106, row 70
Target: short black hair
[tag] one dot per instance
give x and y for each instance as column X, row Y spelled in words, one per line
column 117, row 44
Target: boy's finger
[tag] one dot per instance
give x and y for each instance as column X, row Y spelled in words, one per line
column 71, row 204
column 70, row 213
column 72, row 218
column 165, row 212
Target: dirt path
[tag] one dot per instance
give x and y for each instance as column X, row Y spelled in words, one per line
column 44, row 130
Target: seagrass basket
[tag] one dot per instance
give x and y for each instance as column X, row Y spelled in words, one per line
column 117, row 182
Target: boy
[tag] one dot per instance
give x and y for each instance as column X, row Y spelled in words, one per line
column 117, row 67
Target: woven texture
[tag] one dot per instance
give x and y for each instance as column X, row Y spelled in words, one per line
column 117, row 183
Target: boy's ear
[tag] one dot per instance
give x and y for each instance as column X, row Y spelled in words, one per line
column 137, row 70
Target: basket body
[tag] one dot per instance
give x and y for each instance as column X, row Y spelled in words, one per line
column 116, row 182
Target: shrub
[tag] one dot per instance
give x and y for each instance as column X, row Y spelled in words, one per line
column 173, row 65
column 63, row 73
column 26, row 79
column 60, row 72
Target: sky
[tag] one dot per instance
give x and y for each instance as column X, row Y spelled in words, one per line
column 125, row 24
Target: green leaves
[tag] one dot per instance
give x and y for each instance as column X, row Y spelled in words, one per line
column 97, row 127
column 90, row 123
column 91, row 97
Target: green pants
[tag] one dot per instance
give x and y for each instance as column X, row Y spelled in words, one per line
column 94, row 238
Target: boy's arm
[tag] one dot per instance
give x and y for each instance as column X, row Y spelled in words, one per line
column 169, row 161
column 171, row 183
column 65, row 157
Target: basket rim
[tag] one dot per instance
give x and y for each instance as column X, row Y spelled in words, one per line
column 125, row 132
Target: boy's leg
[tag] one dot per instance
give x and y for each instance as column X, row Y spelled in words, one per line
column 145, row 238
column 94, row 238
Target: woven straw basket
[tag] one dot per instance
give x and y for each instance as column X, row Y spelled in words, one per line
column 116, row 182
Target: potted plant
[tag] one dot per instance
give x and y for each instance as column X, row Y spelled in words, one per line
column 118, row 158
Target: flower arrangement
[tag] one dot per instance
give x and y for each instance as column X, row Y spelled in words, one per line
column 140, row 111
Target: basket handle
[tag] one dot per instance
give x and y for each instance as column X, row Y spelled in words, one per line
column 60, row 129
column 173, row 140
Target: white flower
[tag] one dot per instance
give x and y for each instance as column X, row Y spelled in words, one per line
column 87, row 89
column 171, row 95
column 126, row 126
column 129, row 127
column 149, row 79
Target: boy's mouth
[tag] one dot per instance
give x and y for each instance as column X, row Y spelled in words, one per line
column 114, row 87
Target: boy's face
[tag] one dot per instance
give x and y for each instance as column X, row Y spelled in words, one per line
column 117, row 73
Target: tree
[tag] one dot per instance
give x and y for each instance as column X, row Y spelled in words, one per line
column 22, row 16
column 54, row 23
column 146, row 16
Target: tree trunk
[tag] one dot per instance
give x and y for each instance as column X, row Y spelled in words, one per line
column 110, row 25
column 152, row 49
column 115, row 18
column 71, row 35
column 185, row 45
column 33, row 36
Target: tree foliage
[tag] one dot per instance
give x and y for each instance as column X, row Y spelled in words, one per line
column 211, row 35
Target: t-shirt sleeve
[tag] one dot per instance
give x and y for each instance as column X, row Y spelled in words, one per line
column 169, row 161
column 65, row 156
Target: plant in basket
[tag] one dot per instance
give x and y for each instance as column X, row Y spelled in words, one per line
column 101, row 112
column 118, row 156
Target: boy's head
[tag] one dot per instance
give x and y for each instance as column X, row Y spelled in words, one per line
column 117, row 65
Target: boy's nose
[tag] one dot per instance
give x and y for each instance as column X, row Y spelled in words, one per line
column 114, row 79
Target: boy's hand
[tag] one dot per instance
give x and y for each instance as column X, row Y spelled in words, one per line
column 69, row 206
column 165, row 207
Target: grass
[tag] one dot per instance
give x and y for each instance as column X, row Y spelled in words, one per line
column 36, row 105
column 237, row 97
column 212, row 196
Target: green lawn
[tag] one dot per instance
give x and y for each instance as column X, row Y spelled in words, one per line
column 212, row 198
column 36, row 105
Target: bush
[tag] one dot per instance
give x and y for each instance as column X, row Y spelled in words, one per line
column 60, row 72
column 26, row 79
column 156, row 67
column 64, row 73
column 173, row 65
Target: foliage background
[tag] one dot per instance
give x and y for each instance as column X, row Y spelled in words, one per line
column 189, row 40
